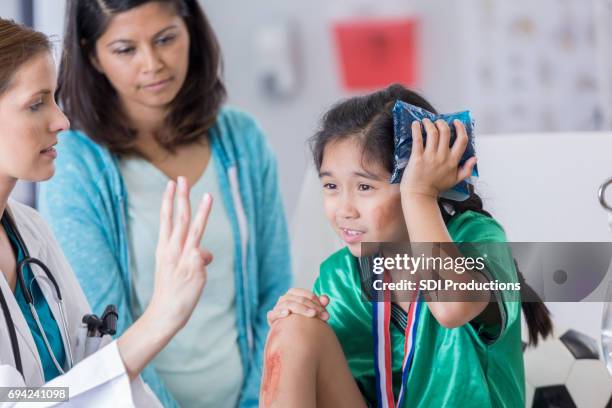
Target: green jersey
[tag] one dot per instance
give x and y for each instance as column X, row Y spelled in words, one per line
column 468, row 366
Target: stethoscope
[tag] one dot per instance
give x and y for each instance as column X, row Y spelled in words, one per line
column 25, row 262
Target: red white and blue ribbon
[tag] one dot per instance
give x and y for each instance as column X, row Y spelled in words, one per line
column 381, row 313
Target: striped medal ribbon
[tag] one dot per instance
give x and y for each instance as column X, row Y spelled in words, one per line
column 382, row 350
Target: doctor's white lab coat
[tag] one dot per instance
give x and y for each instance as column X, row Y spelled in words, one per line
column 96, row 380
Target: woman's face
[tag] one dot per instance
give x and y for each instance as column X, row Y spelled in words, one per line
column 144, row 53
column 29, row 121
column 360, row 203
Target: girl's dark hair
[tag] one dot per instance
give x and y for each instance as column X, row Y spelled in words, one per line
column 369, row 118
column 90, row 101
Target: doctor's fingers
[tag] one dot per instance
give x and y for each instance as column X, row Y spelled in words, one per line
column 166, row 213
column 183, row 217
column 194, row 261
column 198, row 225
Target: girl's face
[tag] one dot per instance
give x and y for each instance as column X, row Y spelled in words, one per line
column 144, row 54
column 360, row 203
column 29, row 121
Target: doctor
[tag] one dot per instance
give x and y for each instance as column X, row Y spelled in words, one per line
column 42, row 340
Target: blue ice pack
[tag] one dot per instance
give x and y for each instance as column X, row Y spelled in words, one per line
column 403, row 116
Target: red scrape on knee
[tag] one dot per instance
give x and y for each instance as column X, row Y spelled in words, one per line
column 271, row 378
column 272, row 369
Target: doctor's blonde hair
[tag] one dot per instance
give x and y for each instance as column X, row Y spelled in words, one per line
column 18, row 44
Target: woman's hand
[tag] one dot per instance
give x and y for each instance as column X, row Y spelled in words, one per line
column 435, row 168
column 180, row 277
column 302, row 302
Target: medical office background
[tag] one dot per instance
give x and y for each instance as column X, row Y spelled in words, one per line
column 537, row 76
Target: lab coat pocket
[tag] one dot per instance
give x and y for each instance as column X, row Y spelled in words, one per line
column 86, row 345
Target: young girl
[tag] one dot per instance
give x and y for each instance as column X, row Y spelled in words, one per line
column 464, row 354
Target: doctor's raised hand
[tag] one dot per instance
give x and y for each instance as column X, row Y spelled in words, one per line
column 180, row 277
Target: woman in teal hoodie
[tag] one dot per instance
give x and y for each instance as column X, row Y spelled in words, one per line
column 140, row 82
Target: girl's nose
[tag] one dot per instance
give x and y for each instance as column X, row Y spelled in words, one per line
column 346, row 208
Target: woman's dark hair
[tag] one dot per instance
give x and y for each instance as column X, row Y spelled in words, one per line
column 90, row 101
column 369, row 118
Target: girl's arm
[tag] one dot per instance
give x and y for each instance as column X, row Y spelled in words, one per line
column 431, row 170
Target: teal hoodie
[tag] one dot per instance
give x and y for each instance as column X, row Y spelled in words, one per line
column 86, row 205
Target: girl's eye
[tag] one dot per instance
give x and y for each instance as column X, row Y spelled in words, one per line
column 365, row 187
column 166, row 40
column 329, row 186
column 36, row 106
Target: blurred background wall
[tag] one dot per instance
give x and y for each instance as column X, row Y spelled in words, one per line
column 11, row 9
column 519, row 66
